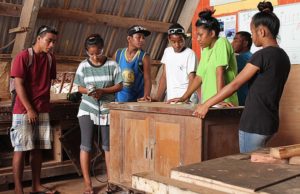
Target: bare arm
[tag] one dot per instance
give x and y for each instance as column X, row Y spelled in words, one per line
column 22, row 95
column 100, row 91
column 246, row 74
column 112, row 89
column 220, row 78
column 191, row 89
column 191, row 77
column 147, row 77
column 162, row 85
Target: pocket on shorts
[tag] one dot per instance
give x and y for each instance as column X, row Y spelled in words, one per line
column 15, row 137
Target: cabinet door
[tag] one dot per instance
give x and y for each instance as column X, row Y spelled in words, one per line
column 135, row 144
column 166, row 143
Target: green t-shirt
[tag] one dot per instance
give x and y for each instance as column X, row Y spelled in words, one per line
column 221, row 54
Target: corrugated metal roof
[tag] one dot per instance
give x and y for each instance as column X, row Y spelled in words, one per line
column 73, row 33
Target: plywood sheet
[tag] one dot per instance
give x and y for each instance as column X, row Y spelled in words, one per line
column 232, row 173
column 291, row 186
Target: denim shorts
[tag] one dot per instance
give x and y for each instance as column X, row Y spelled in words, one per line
column 251, row 141
column 25, row 136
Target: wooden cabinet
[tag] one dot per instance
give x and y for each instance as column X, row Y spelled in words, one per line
column 156, row 137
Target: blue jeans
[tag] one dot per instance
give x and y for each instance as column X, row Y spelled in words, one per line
column 252, row 141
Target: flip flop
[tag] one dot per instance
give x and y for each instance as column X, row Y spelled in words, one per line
column 110, row 188
column 45, row 191
column 89, row 192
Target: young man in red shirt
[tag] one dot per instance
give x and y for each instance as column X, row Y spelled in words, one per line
column 30, row 129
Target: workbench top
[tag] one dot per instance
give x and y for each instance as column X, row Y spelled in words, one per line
column 60, row 109
column 173, row 109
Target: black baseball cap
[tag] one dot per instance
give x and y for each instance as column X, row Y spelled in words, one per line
column 138, row 29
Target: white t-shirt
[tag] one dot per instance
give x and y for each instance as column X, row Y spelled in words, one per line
column 178, row 67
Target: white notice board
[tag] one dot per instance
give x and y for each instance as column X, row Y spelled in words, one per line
column 228, row 26
column 221, row 2
column 289, row 34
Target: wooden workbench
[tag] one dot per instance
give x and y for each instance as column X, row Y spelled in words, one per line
column 63, row 117
column 155, row 137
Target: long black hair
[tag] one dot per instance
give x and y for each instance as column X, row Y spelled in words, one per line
column 208, row 22
column 267, row 18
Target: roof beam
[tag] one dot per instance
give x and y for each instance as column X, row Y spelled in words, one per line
column 187, row 13
column 14, row 10
column 110, row 20
column 9, row 9
column 27, row 19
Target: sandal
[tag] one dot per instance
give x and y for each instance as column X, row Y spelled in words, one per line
column 89, row 192
column 45, row 191
column 110, row 188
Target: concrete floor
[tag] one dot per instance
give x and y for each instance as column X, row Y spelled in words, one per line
column 73, row 185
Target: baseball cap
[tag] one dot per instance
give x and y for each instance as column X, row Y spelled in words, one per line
column 138, row 29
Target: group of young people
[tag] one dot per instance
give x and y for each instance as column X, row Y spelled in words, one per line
column 126, row 78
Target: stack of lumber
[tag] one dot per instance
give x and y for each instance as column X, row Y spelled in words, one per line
column 278, row 155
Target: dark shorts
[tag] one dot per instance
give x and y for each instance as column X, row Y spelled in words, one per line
column 88, row 129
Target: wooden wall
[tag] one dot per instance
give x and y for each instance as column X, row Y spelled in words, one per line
column 4, row 80
column 289, row 129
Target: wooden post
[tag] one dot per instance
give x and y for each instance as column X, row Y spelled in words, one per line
column 187, row 13
column 28, row 17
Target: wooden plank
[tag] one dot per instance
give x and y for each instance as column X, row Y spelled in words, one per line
column 174, row 109
column 155, row 184
column 234, row 176
column 295, row 160
column 266, row 158
column 115, row 21
column 187, row 13
column 4, row 80
column 166, row 18
column 285, row 151
column 48, row 170
column 289, row 128
column 220, row 136
column 290, row 186
column 112, row 37
column 167, row 135
column 17, row 29
column 27, row 19
column 115, row 146
column 57, row 148
column 134, row 130
column 192, row 136
column 9, row 9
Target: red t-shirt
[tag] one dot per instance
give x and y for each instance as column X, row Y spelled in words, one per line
column 37, row 80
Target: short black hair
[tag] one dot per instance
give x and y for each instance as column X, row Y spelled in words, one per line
column 46, row 29
column 176, row 29
column 247, row 37
column 208, row 22
column 94, row 40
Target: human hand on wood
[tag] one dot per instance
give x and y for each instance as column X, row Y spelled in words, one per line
column 175, row 100
column 201, row 111
column 144, row 99
column 225, row 104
